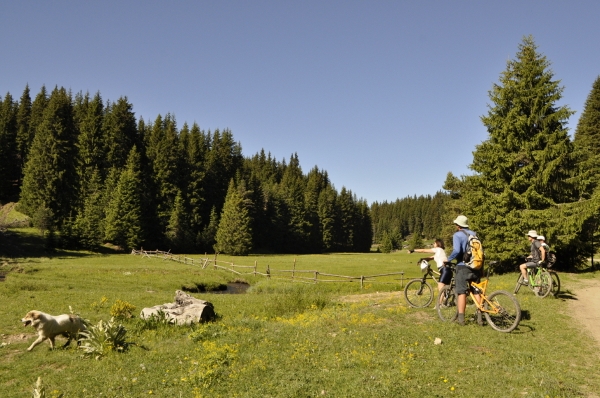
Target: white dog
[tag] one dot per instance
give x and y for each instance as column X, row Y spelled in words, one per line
column 49, row 327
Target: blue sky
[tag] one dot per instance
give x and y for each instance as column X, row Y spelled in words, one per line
column 386, row 96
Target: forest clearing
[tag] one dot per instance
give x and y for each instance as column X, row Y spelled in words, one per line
column 281, row 338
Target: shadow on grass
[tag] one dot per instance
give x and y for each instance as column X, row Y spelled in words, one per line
column 566, row 296
column 15, row 243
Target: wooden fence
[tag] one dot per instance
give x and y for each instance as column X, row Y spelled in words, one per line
column 294, row 275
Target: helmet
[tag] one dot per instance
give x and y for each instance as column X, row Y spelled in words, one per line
column 424, row 266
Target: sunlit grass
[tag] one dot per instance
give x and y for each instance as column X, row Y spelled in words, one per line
column 282, row 338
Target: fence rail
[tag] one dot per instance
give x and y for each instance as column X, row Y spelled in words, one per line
column 295, row 275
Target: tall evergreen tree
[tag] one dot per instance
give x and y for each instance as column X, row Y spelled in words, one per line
column 526, row 164
column 24, row 132
column 316, row 182
column 120, row 132
column 9, row 162
column 91, row 154
column 50, row 179
column 587, row 142
column 124, row 215
column 328, row 218
column 89, row 223
column 38, row 107
column 178, row 230
column 222, row 163
column 165, row 157
column 234, row 235
column 291, row 190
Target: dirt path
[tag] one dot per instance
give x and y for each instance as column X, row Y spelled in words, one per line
column 586, row 308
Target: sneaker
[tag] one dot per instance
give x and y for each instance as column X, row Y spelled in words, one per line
column 525, row 282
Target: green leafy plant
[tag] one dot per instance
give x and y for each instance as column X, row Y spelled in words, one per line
column 103, row 338
column 154, row 322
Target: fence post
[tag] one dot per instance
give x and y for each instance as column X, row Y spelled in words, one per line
column 255, row 262
column 268, row 271
column 362, row 280
column 215, row 264
column 316, row 274
column 294, row 269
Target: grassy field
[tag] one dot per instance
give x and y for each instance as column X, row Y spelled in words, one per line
column 281, row 339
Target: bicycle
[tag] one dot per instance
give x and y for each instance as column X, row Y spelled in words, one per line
column 418, row 292
column 501, row 309
column 539, row 281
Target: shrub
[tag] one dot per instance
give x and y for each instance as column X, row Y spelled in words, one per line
column 122, row 309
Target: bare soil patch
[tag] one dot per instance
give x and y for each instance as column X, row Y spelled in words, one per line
column 585, row 308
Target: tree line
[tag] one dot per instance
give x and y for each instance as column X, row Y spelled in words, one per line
column 94, row 173
column 417, row 217
column 88, row 172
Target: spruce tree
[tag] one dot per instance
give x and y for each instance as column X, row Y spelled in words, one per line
column 386, row 243
column 50, row 179
column 329, row 219
column 91, row 154
column 89, row 224
column 120, row 132
column 206, row 239
column 24, row 132
column 525, row 166
column 587, row 143
column 164, row 154
column 178, row 230
column 9, row 162
column 124, row 223
column 291, row 190
column 234, row 235
column 316, row 182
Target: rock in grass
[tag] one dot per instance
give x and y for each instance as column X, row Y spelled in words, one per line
column 437, row 341
column 184, row 311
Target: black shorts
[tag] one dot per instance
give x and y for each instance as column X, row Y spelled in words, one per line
column 464, row 275
column 445, row 275
column 531, row 264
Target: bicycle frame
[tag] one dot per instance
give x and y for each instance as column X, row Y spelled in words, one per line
column 533, row 275
column 482, row 286
column 431, row 273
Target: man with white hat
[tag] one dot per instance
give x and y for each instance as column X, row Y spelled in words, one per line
column 464, row 274
column 536, row 258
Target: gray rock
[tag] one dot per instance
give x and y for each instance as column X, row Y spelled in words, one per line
column 184, row 311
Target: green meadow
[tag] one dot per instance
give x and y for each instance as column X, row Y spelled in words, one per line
column 279, row 338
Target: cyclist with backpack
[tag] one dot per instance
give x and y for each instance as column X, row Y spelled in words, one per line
column 465, row 270
column 536, row 258
column 542, row 240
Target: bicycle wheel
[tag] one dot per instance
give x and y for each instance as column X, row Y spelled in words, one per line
column 504, row 311
column 418, row 293
column 543, row 284
column 518, row 285
column 555, row 283
column 446, row 305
